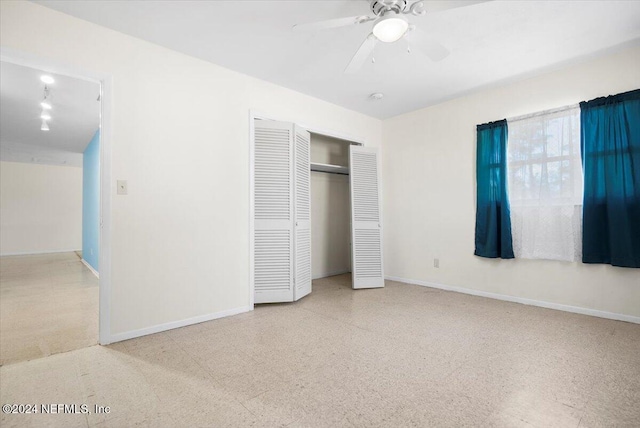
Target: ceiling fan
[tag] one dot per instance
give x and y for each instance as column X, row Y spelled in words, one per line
column 390, row 25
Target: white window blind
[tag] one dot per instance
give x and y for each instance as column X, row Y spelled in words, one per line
column 545, row 185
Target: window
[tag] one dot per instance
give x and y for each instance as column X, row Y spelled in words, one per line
column 545, row 185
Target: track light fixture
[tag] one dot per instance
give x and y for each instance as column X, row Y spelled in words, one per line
column 46, row 107
column 46, row 100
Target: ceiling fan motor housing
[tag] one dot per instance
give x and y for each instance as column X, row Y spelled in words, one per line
column 379, row 7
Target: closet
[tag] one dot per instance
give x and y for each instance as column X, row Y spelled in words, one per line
column 330, row 207
column 287, row 161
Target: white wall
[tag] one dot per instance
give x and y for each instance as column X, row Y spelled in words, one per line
column 180, row 127
column 40, row 208
column 330, row 209
column 429, row 177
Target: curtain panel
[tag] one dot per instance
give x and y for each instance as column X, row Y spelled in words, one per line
column 493, row 220
column 545, row 185
column 610, row 143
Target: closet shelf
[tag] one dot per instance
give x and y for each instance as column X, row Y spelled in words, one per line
column 333, row 169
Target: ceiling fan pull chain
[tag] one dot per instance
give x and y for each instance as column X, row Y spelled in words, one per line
column 408, row 38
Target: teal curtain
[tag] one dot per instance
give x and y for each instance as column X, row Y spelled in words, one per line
column 493, row 219
column 610, row 142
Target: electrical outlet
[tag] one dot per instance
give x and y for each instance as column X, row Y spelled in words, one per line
column 436, row 263
column 122, row 187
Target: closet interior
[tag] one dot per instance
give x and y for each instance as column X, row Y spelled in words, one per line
column 330, row 207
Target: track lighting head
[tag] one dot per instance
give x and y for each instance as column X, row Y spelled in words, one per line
column 46, row 101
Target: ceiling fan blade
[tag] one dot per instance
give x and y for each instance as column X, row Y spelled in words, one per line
column 429, row 46
column 362, row 54
column 332, row 23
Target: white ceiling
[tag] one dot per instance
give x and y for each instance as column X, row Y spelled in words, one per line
column 490, row 42
column 75, row 116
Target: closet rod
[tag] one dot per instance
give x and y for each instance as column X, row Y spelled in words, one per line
column 330, row 169
column 330, row 172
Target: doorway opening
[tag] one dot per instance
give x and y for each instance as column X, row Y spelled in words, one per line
column 52, row 169
column 330, row 207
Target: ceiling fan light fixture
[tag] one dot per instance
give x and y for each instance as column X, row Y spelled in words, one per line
column 390, row 28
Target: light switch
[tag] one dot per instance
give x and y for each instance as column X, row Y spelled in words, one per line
column 122, row 187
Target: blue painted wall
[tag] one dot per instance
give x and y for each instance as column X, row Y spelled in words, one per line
column 91, row 202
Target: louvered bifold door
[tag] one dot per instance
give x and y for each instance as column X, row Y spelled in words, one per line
column 302, row 186
column 366, row 219
column 273, row 239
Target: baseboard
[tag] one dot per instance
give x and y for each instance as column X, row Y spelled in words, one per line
column 176, row 324
column 324, row 275
column 524, row 301
column 86, row 263
column 32, row 253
